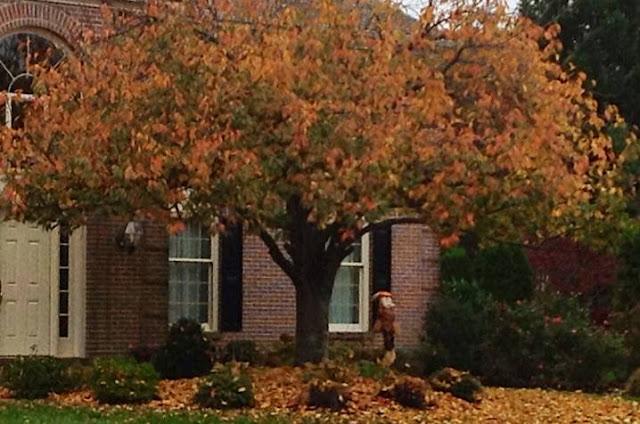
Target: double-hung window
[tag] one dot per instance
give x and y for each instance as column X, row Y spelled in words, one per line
column 192, row 258
column 349, row 308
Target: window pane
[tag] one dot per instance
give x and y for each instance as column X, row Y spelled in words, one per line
column 63, row 303
column 193, row 243
column 64, row 279
column 189, row 291
column 63, row 326
column 345, row 300
column 356, row 255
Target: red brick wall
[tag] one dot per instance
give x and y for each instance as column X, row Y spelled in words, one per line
column 414, row 279
column 61, row 20
column 269, row 299
column 126, row 292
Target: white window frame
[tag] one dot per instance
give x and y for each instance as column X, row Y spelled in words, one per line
column 214, row 263
column 8, row 105
column 363, row 307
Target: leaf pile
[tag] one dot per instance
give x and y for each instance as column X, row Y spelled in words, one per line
column 278, row 392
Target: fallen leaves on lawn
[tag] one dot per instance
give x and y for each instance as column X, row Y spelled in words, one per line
column 278, row 391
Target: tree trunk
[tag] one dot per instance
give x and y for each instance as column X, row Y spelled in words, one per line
column 312, row 321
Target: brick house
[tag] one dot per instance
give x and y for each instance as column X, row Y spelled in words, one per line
column 81, row 294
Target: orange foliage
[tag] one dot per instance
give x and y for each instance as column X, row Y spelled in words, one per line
column 458, row 118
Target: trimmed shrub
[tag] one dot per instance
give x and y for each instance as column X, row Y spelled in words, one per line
column 328, row 394
column 411, row 392
column 241, row 351
column 547, row 341
column 328, row 384
column 411, row 362
column 79, row 375
column 34, row 377
column 228, row 386
column 457, row 325
column 186, row 353
column 327, row 370
column 281, row 353
column 122, row 380
column 632, row 388
column 143, row 353
column 550, row 342
column 373, row 370
column 504, row 271
column 340, row 351
column 460, row 384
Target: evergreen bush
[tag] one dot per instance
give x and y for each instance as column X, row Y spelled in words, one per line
column 186, row 353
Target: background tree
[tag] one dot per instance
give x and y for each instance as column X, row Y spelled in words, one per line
column 602, row 39
column 313, row 126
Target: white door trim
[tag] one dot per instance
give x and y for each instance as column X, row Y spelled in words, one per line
column 74, row 345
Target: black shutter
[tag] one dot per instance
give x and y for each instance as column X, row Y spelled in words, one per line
column 231, row 279
column 381, row 259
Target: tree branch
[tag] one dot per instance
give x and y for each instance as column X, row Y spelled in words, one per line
column 388, row 223
column 278, row 257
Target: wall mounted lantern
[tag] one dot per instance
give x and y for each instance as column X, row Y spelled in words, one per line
column 131, row 236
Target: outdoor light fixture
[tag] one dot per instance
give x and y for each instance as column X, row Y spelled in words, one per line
column 131, row 236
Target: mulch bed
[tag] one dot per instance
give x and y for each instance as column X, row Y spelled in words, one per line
column 278, row 391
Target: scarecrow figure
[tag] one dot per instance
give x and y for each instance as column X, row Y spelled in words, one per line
column 385, row 323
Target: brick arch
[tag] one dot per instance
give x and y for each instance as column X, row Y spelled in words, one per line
column 43, row 19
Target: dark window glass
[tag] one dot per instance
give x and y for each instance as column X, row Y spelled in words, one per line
column 63, row 328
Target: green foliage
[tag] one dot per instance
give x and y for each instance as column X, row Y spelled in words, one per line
column 341, row 351
column 547, row 341
column 241, row 351
column 627, row 323
column 228, row 386
column 411, row 392
column 34, row 377
column 373, row 370
column 626, row 297
column 456, row 264
column 600, row 37
column 44, row 413
column 122, row 380
column 186, row 353
column 80, row 375
column 460, row 384
column 504, row 271
column 457, row 325
column 627, row 294
column 632, row 387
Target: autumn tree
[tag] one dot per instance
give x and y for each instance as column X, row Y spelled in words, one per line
column 314, row 125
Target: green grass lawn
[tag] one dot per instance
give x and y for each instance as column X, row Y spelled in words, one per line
column 38, row 413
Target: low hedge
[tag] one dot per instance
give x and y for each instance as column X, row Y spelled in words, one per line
column 123, row 380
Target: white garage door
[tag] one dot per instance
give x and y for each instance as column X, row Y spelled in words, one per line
column 25, row 273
